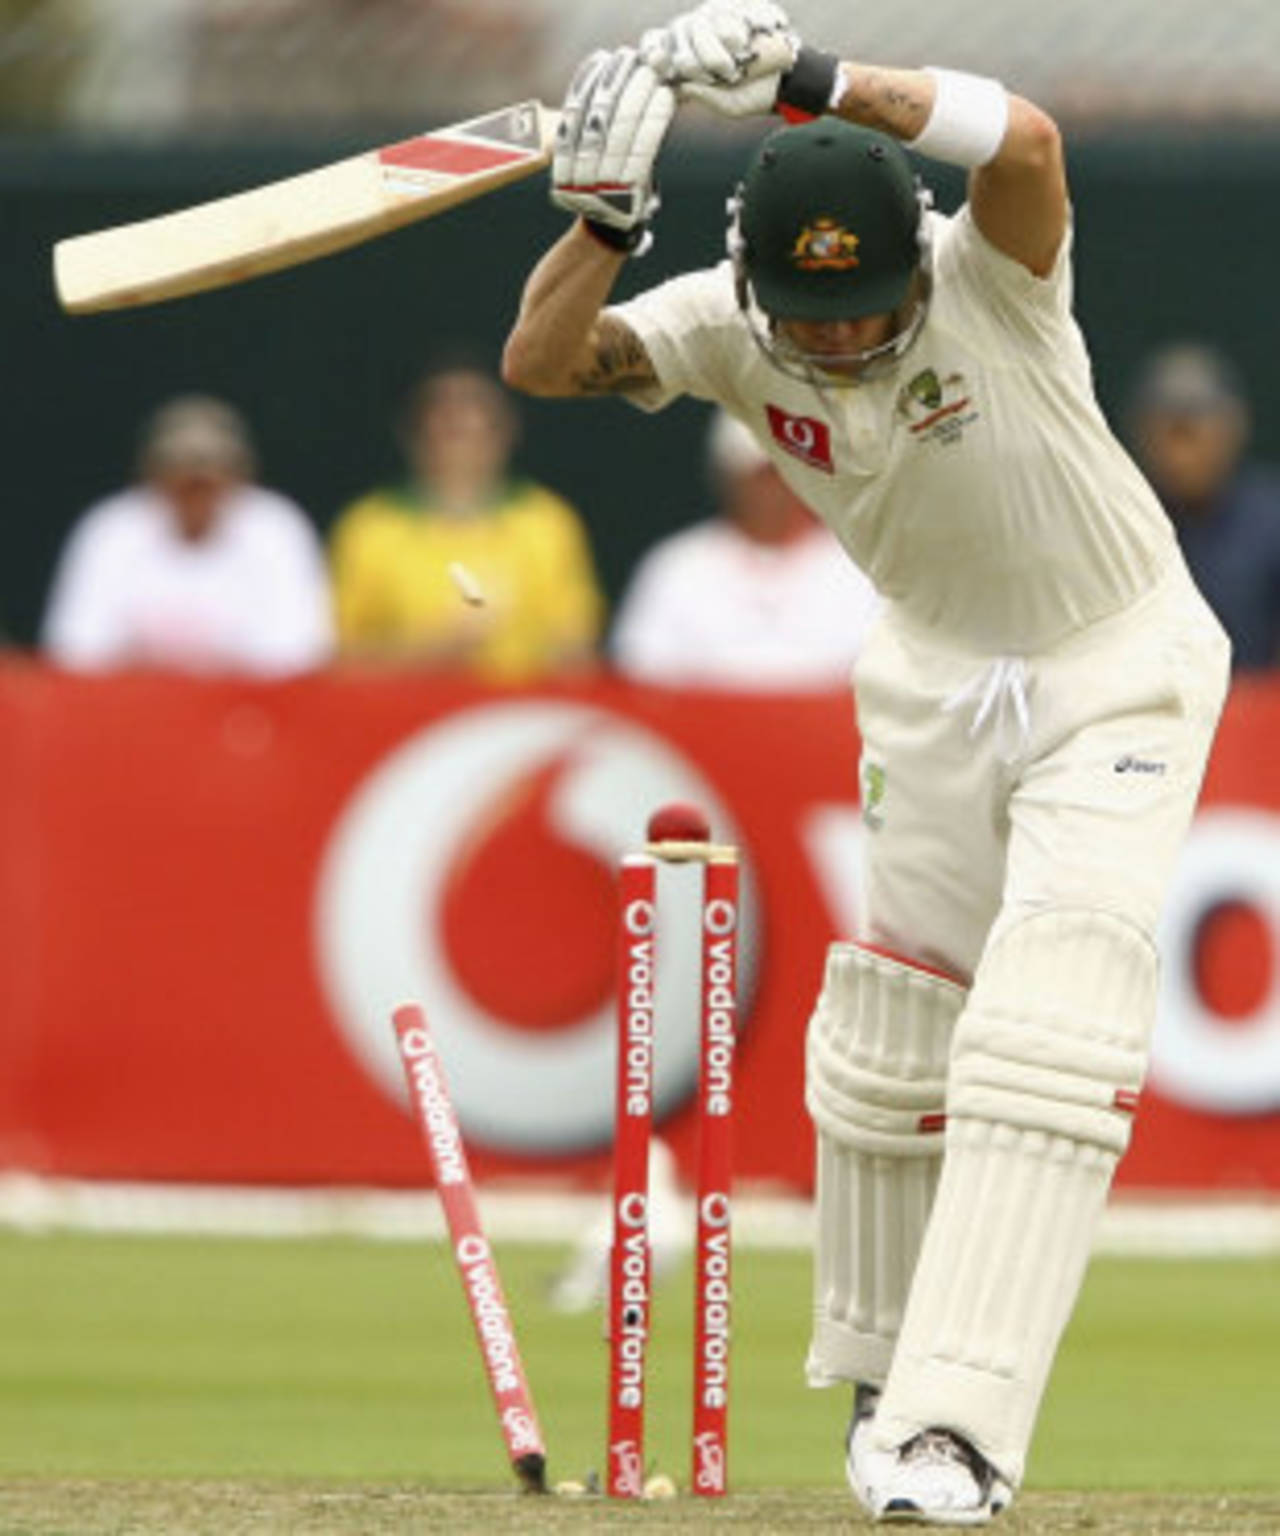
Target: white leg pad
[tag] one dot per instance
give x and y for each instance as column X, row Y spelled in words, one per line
column 878, row 1046
column 1046, row 1064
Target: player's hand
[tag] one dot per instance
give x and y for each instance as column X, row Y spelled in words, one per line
column 729, row 54
column 614, row 120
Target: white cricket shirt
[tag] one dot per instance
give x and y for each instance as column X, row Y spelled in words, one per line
column 711, row 607
column 252, row 596
column 977, row 484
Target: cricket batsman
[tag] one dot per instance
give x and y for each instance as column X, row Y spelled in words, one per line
column 1036, row 704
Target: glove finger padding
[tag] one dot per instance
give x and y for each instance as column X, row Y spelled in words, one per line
column 615, row 118
column 572, row 112
column 752, row 98
column 706, row 48
column 720, row 43
column 640, row 122
column 599, row 117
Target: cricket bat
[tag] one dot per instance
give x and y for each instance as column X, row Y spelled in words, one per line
column 314, row 214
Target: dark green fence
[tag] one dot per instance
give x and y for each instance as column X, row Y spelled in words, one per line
column 1174, row 237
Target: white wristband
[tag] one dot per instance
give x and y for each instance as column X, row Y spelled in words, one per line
column 968, row 121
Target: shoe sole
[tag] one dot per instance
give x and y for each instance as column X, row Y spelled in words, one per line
column 912, row 1514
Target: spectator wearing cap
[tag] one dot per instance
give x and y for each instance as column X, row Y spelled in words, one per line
column 760, row 596
column 195, row 567
column 1189, row 422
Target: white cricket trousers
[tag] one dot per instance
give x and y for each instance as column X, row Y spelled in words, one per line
column 1022, row 817
column 1074, row 786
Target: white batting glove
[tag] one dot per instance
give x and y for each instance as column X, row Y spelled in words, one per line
column 614, row 120
column 721, row 43
column 741, row 58
column 755, row 96
column 728, row 54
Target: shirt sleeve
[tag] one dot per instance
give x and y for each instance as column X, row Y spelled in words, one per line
column 681, row 323
column 998, row 295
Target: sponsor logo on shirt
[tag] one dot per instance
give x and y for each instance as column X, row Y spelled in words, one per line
column 936, row 409
column 803, row 437
column 825, row 245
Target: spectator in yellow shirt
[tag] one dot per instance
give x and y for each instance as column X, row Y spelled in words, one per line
column 523, row 547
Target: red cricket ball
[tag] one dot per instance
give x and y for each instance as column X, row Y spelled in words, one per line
column 679, row 822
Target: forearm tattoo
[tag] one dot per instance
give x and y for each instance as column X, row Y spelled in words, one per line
column 889, row 100
column 620, row 363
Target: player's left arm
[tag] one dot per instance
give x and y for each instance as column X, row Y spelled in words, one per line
column 1019, row 195
column 742, row 57
column 1019, row 200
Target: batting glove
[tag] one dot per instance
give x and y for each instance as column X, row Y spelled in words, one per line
column 722, row 42
column 741, row 58
column 730, row 54
column 614, row 120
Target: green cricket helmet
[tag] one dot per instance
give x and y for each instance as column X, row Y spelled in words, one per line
column 829, row 223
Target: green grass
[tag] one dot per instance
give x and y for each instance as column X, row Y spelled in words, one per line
column 332, row 1360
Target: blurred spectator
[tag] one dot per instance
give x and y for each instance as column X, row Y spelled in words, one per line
column 526, row 548
column 195, row 567
column 39, row 43
column 1190, row 425
column 761, row 596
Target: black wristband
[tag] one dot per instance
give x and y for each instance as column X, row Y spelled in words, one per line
column 808, row 84
column 625, row 241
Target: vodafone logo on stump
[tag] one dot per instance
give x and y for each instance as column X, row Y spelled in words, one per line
column 473, row 871
column 433, row 1102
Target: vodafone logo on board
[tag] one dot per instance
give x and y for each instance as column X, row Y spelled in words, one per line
column 473, row 871
column 1202, row 1056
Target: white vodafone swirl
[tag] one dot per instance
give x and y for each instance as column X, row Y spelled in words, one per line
column 1197, row 1058
column 380, row 902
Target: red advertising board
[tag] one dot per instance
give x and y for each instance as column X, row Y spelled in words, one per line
column 213, row 894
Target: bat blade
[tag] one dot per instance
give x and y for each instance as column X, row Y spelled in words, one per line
column 284, row 223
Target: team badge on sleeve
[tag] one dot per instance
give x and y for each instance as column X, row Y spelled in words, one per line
column 803, row 437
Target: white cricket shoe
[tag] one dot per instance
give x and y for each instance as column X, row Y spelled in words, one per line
column 938, row 1478
column 865, row 1467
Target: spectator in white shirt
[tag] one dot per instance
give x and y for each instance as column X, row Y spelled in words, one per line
column 759, row 597
column 194, row 568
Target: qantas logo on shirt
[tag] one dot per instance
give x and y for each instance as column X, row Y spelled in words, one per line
column 936, row 409
column 803, row 437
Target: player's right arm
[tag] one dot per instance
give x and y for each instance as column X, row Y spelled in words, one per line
column 565, row 342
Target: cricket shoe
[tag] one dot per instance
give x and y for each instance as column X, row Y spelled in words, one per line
column 938, row 1478
column 866, row 1468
